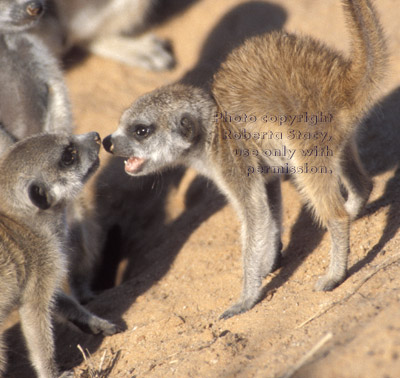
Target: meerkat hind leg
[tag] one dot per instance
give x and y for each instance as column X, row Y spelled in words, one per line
column 3, row 315
column 340, row 239
column 274, row 197
column 37, row 329
column 2, row 356
column 260, row 243
column 323, row 193
column 355, row 180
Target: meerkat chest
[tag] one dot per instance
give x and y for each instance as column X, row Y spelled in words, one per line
column 23, row 88
column 29, row 261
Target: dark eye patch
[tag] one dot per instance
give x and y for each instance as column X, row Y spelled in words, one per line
column 185, row 121
column 69, row 156
column 141, row 131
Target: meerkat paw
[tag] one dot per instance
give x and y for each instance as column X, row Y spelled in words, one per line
column 67, row 374
column 239, row 308
column 156, row 54
column 236, row 309
column 328, row 283
column 147, row 51
column 98, row 325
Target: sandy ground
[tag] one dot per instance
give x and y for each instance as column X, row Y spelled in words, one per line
column 173, row 259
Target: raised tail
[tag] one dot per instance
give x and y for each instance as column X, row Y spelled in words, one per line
column 369, row 54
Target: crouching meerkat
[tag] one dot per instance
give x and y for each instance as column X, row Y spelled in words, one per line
column 280, row 104
column 38, row 177
column 109, row 28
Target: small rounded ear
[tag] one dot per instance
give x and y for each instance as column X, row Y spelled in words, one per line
column 39, row 195
column 188, row 127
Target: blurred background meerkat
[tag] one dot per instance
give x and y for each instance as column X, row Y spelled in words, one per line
column 109, row 28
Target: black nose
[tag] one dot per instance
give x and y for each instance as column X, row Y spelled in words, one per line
column 96, row 137
column 34, row 8
column 107, row 143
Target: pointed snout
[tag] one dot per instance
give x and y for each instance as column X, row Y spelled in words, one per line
column 107, row 144
column 34, row 8
column 96, row 137
column 92, row 140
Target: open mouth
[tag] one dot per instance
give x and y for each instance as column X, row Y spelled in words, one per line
column 133, row 165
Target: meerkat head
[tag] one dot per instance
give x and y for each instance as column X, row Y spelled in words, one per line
column 161, row 128
column 19, row 15
column 47, row 170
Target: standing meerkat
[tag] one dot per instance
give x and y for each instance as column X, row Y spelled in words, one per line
column 38, row 177
column 34, row 99
column 280, row 104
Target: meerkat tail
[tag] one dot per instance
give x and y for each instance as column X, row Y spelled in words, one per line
column 369, row 52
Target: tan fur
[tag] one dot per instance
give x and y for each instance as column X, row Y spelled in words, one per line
column 39, row 177
column 276, row 74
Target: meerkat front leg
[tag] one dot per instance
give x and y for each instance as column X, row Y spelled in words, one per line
column 82, row 318
column 85, row 239
column 58, row 118
column 261, row 233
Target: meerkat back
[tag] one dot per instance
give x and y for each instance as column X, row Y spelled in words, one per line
column 281, row 74
column 310, row 100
